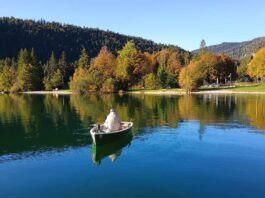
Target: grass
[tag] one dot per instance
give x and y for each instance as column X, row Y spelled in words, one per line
column 249, row 88
column 240, row 87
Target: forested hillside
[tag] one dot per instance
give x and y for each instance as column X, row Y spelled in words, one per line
column 238, row 50
column 45, row 37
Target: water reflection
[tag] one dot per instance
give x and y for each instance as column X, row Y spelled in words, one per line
column 41, row 123
column 111, row 150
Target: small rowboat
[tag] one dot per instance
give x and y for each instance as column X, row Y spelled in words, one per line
column 100, row 134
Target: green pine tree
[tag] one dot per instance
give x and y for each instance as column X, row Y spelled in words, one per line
column 83, row 61
column 25, row 76
column 37, row 72
column 57, row 79
column 162, row 75
column 50, row 68
column 23, row 58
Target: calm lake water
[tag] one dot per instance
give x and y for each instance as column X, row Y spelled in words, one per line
column 180, row 146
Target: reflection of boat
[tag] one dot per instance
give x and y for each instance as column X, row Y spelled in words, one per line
column 101, row 136
column 112, row 150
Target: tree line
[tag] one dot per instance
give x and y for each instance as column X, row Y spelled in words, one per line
column 27, row 73
column 129, row 69
column 105, row 72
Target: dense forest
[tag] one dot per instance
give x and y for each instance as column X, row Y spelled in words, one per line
column 238, row 50
column 45, row 37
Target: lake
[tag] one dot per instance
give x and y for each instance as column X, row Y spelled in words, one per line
column 180, row 146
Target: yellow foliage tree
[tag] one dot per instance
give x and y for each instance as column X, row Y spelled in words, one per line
column 127, row 65
column 191, row 77
column 256, row 68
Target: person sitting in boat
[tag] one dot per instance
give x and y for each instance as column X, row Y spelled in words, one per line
column 113, row 122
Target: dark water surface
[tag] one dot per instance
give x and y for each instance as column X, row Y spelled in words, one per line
column 181, row 146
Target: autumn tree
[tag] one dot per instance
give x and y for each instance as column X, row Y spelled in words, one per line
column 256, row 68
column 79, row 82
column 191, row 77
column 108, row 86
column 217, row 66
column 208, row 67
column 99, row 76
column 105, row 63
column 174, row 65
column 243, row 68
column 149, row 63
column 8, row 77
column 127, row 62
column 172, row 61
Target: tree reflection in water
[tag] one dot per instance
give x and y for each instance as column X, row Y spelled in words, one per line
column 36, row 123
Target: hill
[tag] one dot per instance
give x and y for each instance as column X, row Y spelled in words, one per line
column 46, row 37
column 238, row 50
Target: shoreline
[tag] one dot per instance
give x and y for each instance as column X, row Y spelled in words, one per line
column 221, row 91
column 149, row 92
column 62, row 92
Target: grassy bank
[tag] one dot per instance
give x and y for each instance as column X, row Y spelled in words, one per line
column 239, row 88
column 249, row 88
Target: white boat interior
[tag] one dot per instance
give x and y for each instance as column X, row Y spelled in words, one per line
column 101, row 129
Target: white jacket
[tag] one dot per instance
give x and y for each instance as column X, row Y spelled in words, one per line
column 112, row 122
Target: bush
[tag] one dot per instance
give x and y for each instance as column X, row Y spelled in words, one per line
column 79, row 85
column 108, row 86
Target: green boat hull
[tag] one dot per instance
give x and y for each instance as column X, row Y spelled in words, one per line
column 113, row 147
column 100, row 139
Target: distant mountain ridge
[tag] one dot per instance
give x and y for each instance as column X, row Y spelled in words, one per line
column 46, row 37
column 238, row 50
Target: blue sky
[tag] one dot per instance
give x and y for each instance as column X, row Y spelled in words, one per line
column 183, row 23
